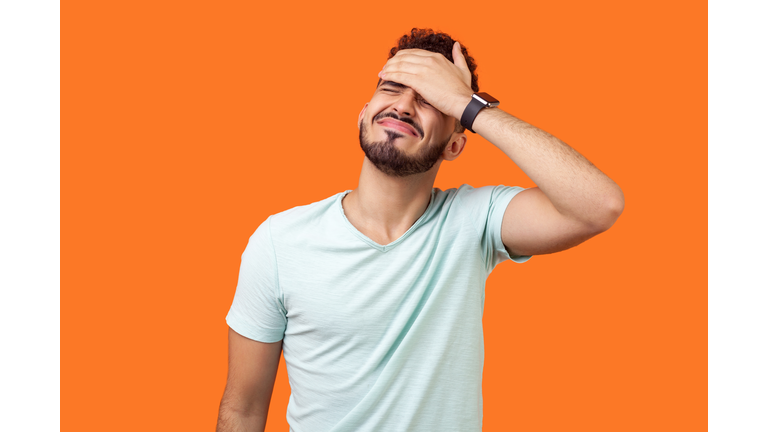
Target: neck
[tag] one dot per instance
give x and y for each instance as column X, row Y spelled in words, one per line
column 384, row 207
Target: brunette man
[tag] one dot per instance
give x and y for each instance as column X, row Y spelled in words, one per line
column 375, row 295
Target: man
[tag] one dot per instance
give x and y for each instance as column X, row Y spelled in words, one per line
column 375, row 295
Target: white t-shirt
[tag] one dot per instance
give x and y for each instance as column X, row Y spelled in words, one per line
column 376, row 337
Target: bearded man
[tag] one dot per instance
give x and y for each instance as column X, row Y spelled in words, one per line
column 375, row 295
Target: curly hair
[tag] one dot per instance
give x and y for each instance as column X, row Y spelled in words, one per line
column 441, row 43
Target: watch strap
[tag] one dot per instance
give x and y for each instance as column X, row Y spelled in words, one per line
column 470, row 112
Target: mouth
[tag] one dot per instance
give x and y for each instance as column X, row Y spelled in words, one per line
column 398, row 125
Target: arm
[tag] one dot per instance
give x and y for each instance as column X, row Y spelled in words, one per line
column 250, row 379
column 573, row 201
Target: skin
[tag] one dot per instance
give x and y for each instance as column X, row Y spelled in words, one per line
column 383, row 207
column 573, row 202
column 250, row 379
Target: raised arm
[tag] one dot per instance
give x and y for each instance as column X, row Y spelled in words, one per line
column 250, row 379
column 573, row 201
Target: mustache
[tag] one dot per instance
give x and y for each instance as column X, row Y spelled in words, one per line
column 405, row 120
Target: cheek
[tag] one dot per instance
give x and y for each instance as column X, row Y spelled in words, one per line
column 443, row 127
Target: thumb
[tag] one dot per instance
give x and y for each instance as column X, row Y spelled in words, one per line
column 458, row 57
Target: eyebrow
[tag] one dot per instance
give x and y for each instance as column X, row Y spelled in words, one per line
column 391, row 83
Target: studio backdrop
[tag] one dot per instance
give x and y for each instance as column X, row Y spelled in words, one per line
column 186, row 124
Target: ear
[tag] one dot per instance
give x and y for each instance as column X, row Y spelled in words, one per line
column 456, row 146
column 360, row 116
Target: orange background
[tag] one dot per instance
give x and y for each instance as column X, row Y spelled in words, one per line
column 185, row 124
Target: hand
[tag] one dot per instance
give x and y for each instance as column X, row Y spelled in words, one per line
column 445, row 85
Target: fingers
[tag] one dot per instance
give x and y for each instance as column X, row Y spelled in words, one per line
column 416, row 55
column 416, row 59
column 427, row 72
column 406, row 64
column 416, row 64
column 403, row 66
column 414, row 51
column 419, row 56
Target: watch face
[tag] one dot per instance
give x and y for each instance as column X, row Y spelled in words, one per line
column 492, row 101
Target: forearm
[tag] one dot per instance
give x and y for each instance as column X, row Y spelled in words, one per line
column 576, row 188
column 234, row 420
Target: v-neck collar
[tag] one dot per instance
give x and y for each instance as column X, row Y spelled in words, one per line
column 373, row 244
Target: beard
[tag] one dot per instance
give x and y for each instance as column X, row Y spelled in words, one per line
column 393, row 161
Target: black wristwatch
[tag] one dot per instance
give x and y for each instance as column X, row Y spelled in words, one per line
column 478, row 102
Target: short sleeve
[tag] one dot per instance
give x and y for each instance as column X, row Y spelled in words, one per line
column 257, row 311
column 486, row 207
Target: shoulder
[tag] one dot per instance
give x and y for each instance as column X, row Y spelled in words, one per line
column 453, row 195
column 477, row 199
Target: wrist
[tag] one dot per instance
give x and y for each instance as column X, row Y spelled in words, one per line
column 479, row 102
column 460, row 105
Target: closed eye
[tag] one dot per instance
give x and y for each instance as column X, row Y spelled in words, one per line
column 398, row 91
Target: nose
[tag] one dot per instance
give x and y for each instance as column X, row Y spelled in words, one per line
column 405, row 103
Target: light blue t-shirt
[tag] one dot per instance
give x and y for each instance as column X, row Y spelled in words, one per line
column 376, row 338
